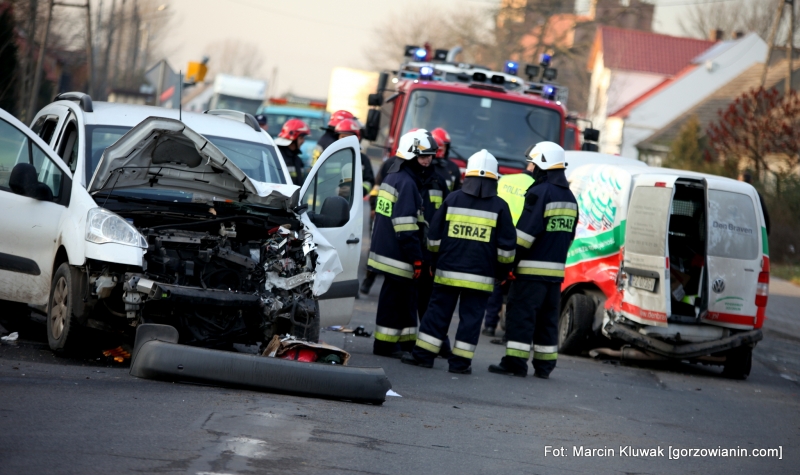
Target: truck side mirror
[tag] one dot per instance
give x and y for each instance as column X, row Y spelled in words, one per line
column 590, row 147
column 591, row 135
column 375, row 100
column 373, row 124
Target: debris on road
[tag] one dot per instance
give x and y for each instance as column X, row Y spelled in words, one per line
column 118, row 354
column 392, row 393
column 291, row 348
column 361, row 331
column 14, row 336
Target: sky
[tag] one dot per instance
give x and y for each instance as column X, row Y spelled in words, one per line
column 306, row 39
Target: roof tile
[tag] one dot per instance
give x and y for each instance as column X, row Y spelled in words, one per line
column 634, row 50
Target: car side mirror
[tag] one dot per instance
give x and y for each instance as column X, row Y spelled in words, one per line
column 335, row 212
column 25, row 181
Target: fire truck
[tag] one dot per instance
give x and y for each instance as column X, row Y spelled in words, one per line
column 480, row 108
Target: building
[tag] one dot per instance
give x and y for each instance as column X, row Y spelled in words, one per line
column 624, row 65
column 669, row 100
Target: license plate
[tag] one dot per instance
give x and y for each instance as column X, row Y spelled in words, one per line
column 644, row 283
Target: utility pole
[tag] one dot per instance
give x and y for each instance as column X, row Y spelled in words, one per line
column 789, row 48
column 771, row 42
column 27, row 71
column 89, row 58
column 37, row 76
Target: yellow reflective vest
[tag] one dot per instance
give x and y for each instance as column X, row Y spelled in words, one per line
column 512, row 188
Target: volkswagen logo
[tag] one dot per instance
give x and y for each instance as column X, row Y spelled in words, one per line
column 718, row 286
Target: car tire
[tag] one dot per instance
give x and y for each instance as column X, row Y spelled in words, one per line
column 63, row 329
column 575, row 324
column 738, row 362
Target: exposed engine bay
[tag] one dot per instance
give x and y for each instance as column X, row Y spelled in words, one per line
column 223, row 280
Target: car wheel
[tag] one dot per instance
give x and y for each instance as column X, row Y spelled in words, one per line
column 738, row 362
column 575, row 324
column 62, row 325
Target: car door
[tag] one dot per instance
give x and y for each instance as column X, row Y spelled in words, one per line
column 734, row 255
column 645, row 266
column 29, row 217
column 332, row 192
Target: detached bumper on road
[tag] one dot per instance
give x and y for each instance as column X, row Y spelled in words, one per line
column 686, row 351
column 157, row 355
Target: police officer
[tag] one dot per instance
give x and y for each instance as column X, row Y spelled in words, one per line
column 330, row 134
column 289, row 141
column 346, row 128
column 442, row 163
column 396, row 244
column 545, row 231
column 511, row 188
column 474, row 240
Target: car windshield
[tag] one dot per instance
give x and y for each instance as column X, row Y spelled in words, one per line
column 250, row 106
column 275, row 123
column 504, row 128
column 259, row 161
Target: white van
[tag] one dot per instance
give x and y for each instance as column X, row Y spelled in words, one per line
column 671, row 262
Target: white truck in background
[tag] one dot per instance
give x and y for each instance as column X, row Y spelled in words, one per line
column 237, row 93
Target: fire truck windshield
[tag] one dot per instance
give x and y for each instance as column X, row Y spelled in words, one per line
column 504, row 128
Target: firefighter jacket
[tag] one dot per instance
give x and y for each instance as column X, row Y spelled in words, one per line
column 367, row 176
column 512, row 189
column 396, row 235
column 473, row 241
column 433, row 190
column 292, row 160
column 546, row 229
column 326, row 139
column 379, row 177
column 449, row 171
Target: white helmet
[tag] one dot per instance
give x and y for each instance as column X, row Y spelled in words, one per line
column 482, row 164
column 347, row 174
column 416, row 142
column 546, row 155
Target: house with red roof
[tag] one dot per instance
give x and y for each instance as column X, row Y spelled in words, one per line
column 625, row 64
column 704, row 75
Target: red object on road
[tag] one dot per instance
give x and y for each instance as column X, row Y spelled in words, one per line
column 302, row 354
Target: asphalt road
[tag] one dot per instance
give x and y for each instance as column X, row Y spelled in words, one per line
column 84, row 415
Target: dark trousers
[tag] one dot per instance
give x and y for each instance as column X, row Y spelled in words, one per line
column 532, row 315
column 396, row 319
column 493, row 307
column 433, row 328
column 424, row 290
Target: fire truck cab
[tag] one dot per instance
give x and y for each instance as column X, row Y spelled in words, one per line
column 479, row 108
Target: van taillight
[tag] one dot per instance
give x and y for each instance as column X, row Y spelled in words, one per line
column 762, row 289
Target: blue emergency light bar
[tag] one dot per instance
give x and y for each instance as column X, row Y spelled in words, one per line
column 425, row 72
column 420, row 54
column 511, row 67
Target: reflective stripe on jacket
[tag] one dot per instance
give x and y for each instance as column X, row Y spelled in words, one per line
column 473, row 241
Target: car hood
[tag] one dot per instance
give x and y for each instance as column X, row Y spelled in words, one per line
column 165, row 153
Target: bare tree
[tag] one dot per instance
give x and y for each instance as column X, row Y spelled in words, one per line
column 744, row 16
column 240, row 58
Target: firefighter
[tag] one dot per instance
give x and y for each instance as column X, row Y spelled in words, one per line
column 442, row 163
column 330, row 134
column 545, row 231
column 473, row 239
column 396, row 244
column 346, row 128
column 289, row 141
column 511, row 188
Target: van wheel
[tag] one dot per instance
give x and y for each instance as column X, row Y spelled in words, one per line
column 62, row 324
column 738, row 362
column 575, row 324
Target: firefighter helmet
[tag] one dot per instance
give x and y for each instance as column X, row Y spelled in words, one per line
column 292, row 129
column 417, row 142
column 482, row 164
column 339, row 116
column 349, row 126
column 442, row 140
column 546, row 155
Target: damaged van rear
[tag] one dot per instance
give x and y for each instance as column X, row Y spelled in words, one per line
column 669, row 264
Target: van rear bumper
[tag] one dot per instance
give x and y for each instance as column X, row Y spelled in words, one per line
column 685, row 351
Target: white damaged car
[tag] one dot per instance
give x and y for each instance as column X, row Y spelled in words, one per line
column 115, row 215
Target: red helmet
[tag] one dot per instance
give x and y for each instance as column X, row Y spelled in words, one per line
column 442, row 140
column 349, row 126
column 339, row 116
column 292, row 129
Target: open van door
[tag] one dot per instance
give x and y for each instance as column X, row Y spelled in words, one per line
column 333, row 193
column 645, row 266
column 734, row 256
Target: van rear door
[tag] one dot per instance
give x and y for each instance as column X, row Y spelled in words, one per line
column 646, row 286
column 734, row 256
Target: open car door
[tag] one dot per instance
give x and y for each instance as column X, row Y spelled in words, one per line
column 333, row 193
column 646, row 284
